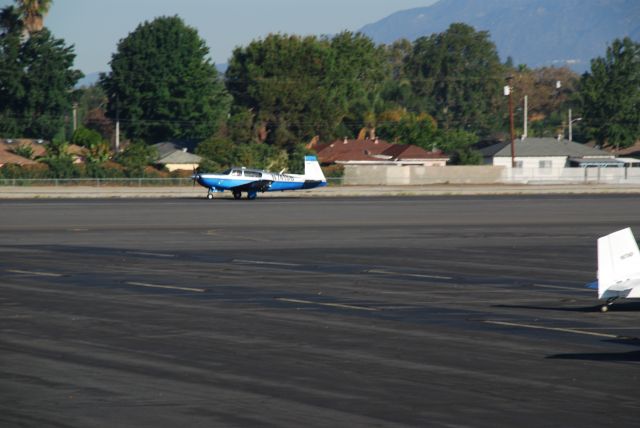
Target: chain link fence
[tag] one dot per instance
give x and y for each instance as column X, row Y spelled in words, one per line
column 115, row 182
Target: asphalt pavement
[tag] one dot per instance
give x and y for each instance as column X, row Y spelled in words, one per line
column 441, row 311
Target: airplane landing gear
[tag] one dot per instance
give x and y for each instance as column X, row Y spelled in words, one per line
column 237, row 194
column 209, row 195
column 251, row 195
column 605, row 307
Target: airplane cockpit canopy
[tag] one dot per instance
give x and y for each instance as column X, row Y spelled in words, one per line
column 240, row 172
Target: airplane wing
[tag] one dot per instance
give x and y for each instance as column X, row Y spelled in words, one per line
column 253, row 186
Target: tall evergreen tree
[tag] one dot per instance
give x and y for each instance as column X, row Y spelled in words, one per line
column 162, row 85
column 36, row 79
column 457, row 77
column 610, row 95
column 299, row 87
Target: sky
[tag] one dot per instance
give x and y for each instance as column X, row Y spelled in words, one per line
column 96, row 26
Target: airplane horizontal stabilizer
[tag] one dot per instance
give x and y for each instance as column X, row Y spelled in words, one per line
column 618, row 262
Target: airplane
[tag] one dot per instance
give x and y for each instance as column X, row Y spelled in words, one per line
column 252, row 181
column 618, row 268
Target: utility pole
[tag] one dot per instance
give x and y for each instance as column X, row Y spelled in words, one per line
column 75, row 116
column 570, row 127
column 571, row 120
column 508, row 91
column 526, row 116
column 117, row 125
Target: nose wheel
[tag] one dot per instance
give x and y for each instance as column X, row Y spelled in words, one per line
column 605, row 307
column 237, row 194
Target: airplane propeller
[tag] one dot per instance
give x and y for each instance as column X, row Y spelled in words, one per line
column 194, row 177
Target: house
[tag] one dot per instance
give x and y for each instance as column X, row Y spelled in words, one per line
column 7, row 157
column 8, row 148
column 547, row 153
column 376, row 152
column 175, row 156
column 629, row 155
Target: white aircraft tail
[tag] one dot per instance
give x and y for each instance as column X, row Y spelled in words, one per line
column 618, row 260
column 312, row 170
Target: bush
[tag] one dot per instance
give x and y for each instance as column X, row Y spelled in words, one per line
column 86, row 137
column 11, row 171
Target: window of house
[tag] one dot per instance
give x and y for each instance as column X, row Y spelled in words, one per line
column 544, row 164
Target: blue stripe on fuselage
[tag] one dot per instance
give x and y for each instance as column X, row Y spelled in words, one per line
column 228, row 184
column 222, row 183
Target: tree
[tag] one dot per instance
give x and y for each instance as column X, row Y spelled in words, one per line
column 162, row 86
column 220, row 153
column 91, row 103
column 610, row 95
column 361, row 71
column 33, row 13
column 36, row 80
column 86, row 137
column 459, row 145
column 59, row 160
column 457, row 77
column 410, row 128
column 136, row 157
column 547, row 103
column 300, row 87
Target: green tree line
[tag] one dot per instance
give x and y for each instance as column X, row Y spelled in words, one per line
column 442, row 91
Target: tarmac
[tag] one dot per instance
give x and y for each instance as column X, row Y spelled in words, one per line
column 71, row 191
column 439, row 311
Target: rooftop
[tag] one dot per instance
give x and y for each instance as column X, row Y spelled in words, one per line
column 535, row 147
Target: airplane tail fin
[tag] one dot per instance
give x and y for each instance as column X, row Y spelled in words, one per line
column 312, row 170
column 618, row 259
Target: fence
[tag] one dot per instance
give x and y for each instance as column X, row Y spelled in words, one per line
column 113, row 182
column 381, row 175
column 595, row 175
column 385, row 175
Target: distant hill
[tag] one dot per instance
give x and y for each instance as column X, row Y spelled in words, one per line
column 88, row 80
column 533, row 32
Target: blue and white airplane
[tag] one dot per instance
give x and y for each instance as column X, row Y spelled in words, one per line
column 251, row 181
column 618, row 268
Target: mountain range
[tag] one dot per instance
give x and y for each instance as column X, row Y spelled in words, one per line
column 532, row 32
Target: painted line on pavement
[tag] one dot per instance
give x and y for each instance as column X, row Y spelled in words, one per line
column 169, row 287
column 562, row 330
column 28, row 272
column 144, row 253
column 559, row 287
column 413, row 275
column 333, row 305
column 260, row 262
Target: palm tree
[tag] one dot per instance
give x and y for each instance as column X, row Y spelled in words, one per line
column 9, row 20
column 33, row 13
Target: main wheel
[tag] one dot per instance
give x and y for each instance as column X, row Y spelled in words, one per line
column 237, row 195
column 604, row 308
column 209, row 195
